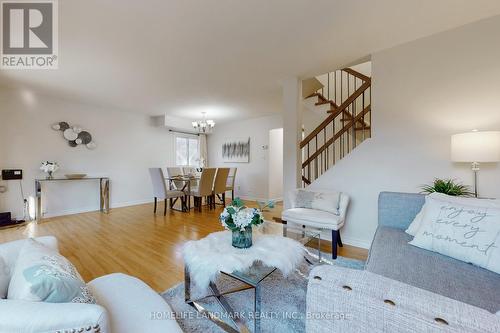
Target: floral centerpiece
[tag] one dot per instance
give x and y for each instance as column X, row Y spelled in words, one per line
column 49, row 168
column 239, row 219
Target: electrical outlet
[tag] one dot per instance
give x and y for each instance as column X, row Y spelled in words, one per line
column 3, row 189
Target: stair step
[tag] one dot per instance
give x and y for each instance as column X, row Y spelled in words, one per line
column 327, row 102
column 316, row 95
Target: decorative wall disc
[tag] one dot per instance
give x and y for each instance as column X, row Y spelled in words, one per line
column 75, row 135
column 70, row 135
column 85, row 137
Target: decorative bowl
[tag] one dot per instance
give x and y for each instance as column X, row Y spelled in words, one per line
column 76, row 175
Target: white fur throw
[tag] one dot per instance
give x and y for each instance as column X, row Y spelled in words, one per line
column 206, row 257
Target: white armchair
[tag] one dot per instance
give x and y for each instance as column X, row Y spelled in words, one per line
column 126, row 305
column 329, row 218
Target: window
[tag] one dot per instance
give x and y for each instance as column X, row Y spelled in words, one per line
column 186, row 151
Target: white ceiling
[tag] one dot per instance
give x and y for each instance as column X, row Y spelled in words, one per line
column 225, row 57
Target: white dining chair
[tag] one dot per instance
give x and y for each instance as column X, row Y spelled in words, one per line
column 161, row 191
column 175, row 172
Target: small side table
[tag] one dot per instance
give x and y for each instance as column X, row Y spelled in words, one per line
column 250, row 278
column 103, row 192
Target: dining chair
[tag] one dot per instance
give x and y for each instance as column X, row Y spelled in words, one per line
column 230, row 181
column 220, row 185
column 161, row 192
column 176, row 172
column 204, row 188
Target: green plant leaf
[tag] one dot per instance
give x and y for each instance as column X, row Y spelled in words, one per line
column 447, row 186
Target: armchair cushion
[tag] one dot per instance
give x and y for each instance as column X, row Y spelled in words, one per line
column 313, row 218
column 42, row 274
column 133, row 306
column 18, row 316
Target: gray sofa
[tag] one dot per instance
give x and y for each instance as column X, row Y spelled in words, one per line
column 404, row 288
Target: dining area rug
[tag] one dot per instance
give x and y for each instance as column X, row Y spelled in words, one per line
column 283, row 301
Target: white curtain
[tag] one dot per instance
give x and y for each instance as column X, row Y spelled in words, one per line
column 202, row 141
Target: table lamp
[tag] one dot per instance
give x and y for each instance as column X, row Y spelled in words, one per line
column 476, row 147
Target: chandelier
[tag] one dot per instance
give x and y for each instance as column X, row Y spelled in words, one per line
column 204, row 125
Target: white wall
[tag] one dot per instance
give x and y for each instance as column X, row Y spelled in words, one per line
column 126, row 146
column 423, row 92
column 251, row 178
column 275, row 175
column 292, row 135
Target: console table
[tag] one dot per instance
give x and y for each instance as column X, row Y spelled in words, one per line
column 103, row 192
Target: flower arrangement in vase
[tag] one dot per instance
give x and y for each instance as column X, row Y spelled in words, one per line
column 239, row 219
column 49, row 168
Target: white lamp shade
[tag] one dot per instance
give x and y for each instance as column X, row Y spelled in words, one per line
column 481, row 147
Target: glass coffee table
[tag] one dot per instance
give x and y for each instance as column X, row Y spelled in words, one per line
column 252, row 278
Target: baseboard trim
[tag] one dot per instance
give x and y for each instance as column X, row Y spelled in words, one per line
column 248, row 198
column 95, row 208
column 356, row 242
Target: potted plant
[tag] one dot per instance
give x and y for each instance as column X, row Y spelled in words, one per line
column 239, row 219
column 447, row 186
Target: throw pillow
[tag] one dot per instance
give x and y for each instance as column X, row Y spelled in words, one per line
column 325, row 201
column 417, row 222
column 42, row 274
column 4, row 278
column 462, row 228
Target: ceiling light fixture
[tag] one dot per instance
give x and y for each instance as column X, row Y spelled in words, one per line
column 204, row 125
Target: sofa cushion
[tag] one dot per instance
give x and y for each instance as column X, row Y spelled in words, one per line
column 42, row 274
column 392, row 256
column 132, row 305
column 398, row 210
column 313, row 218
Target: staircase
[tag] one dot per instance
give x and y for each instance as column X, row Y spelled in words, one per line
column 345, row 98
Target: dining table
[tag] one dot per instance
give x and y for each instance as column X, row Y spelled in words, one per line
column 186, row 187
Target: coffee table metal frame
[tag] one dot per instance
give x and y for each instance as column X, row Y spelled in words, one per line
column 307, row 235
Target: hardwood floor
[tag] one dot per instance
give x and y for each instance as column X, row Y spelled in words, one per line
column 134, row 241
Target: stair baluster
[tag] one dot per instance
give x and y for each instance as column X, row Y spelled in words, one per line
column 352, row 112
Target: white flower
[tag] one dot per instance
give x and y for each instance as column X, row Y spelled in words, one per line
column 49, row 166
column 243, row 217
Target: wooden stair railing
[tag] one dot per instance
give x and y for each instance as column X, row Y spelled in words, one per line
column 347, row 124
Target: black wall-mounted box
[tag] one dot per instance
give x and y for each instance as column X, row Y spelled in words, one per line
column 5, row 219
column 12, row 174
